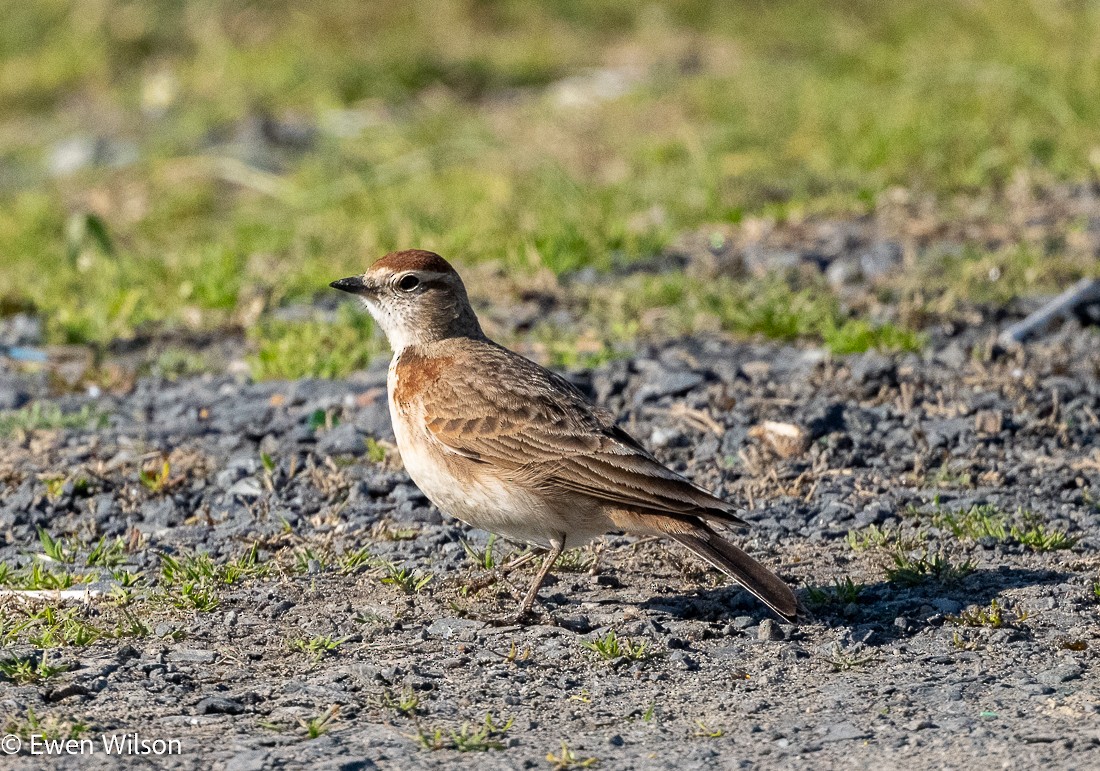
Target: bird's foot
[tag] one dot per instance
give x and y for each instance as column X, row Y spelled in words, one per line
column 484, row 582
column 499, row 574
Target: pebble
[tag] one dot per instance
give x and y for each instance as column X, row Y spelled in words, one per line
column 192, row 656
column 1059, row 674
column 842, row 732
column 345, row 439
column 769, row 630
column 455, row 628
column 219, row 705
column 247, row 488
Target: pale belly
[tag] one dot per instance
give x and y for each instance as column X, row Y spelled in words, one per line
column 484, row 501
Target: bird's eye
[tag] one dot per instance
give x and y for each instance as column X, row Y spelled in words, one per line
column 408, row 283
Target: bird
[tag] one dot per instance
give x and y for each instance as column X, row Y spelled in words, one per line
column 508, row 446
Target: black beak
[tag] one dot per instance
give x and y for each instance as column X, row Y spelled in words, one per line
column 353, row 284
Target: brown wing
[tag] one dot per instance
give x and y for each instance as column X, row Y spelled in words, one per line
column 536, row 424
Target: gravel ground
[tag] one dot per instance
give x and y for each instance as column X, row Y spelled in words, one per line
column 349, row 612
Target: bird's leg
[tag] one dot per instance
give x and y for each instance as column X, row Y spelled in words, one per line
column 520, row 561
column 556, row 548
column 497, row 574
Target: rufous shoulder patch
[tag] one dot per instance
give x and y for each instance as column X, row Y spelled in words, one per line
column 415, row 372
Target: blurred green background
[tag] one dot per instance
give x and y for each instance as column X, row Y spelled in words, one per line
column 191, row 166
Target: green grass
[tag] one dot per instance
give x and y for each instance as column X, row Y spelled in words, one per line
column 406, row 703
column 996, row 277
column 907, row 559
column 316, row 648
column 194, row 581
column 482, row 558
column 318, row 725
column 674, row 303
column 915, row 569
column 611, row 647
column 172, row 591
column 200, row 568
column 842, row 660
column 875, row 538
column 36, row 577
column 408, row 580
column 289, row 350
column 566, row 758
column 62, row 562
column 738, row 110
column 988, row 521
column 488, row 735
column 576, row 561
column 46, row 728
column 842, row 593
column 993, row 617
column 28, row 670
column 49, row 627
column 39, row 417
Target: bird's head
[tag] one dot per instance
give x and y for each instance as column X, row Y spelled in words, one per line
column 416, row 297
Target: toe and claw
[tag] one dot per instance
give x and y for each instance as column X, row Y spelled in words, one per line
column 526, row 608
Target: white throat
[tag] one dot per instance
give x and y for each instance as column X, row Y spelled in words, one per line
column 399, row 333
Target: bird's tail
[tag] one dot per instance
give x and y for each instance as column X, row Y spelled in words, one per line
column 764, row 584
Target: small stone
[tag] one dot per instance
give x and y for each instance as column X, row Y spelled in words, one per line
column 1059, row 674
column 683, row 661
column 66, row 691
column 345, row 439
column 1038, row 689
column 227, row 477
column 457, row 628
column 192, row 656
column 218, row 705
column 71, row 155
column 662, row 382
column 249, row 487
column 989, row 422
column 873, row 369
column 105, row 507
column 785, row 439
column 769, row 630
column 127, row 652
column 952, row 355
column 840, row 732
column 919, row 725
column 162, row 513
column 946, row 606
column 872, row 514
column 280, row 608
column 252, row 760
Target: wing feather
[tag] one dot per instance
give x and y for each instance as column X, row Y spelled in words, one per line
column 537, row 425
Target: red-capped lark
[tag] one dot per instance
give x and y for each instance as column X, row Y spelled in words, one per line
column 507, row 446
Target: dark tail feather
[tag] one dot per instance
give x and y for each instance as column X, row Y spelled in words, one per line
column 764, row 584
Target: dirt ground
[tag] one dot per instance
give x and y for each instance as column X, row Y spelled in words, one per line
column 937, row 514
